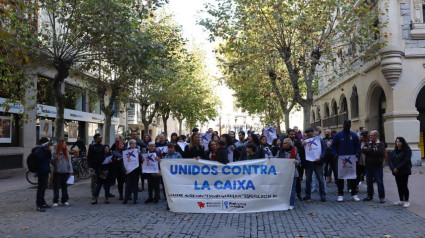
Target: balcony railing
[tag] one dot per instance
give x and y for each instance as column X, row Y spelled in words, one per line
column 316, row 123
column 335, row 121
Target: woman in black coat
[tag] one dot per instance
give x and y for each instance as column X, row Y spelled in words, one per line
column 195, row 149
column 118, row 167
column 401, row 164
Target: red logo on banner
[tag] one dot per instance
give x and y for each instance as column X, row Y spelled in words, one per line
column 201, row 205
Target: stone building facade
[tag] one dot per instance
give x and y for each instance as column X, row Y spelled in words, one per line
column 387, row 94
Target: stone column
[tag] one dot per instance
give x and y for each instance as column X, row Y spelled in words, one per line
column 29, row 134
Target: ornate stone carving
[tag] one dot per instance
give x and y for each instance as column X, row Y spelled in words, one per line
column 417, row 11
column 391, row 66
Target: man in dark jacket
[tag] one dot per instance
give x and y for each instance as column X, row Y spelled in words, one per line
column 95, row 158
column 80, row 144
column 315, row 166
column 345, row 142
column 43, row 155
column 139, row 144
column 374, row 152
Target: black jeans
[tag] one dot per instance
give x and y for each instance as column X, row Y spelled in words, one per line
column 142, row 180
column 59, row 182
column 153, row 186
column 132, row 180
column 403, row 190
column 120, row 183
column 41, row 189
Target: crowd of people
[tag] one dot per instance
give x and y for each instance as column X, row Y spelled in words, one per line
column 225, row 148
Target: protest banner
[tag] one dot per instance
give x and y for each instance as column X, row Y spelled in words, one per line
column 313, row 148
column 203, row 186
column 162, row 149
column 270, row 133
column 347, row 167
column 130, row 159
column 205, row 138
column 150, row 164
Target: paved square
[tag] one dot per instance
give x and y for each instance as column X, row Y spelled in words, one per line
column 309, row 219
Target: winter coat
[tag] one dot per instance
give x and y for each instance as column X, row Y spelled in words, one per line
column 43, row 160
column 375, row 154
column 402, row 161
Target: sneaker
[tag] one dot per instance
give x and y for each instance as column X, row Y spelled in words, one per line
column 382, row 200
column 40, row 209
column 340, row 199
column 366, row 199
column 398, row 203
column 55, row 204
column 94, row 201
column 291, row 207
column 45, row 206
column 406, row 204
column 356, row 198
column 66, row 203
column 306, row 198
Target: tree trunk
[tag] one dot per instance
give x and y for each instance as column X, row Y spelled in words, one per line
column 146, row 128
column 307, row 108
column 180, row 127
column 61, row 75
column 286, row 114
column 164, row 120
column 107, row 136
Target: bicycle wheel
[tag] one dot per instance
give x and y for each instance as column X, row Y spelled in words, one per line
column 84, row 172
column 31, row 177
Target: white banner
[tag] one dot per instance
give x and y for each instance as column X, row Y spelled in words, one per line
column 203, row 186
column 347, row 167
column 270, row 133
column 182, row 145
column 313, row 148
column 130, row 159
column 150, row 164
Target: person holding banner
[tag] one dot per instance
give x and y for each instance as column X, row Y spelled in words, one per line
column 195, row 149
column 315, row 149
column 346, row 151
column 375, row 155
column 211, row 152
column 162, row 143
column 132, row 167
column 152, row 158
column 265, row 147
column 222, row 153
column 290, row 152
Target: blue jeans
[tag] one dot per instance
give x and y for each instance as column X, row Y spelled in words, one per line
column 293, row 192
column 378, row 174
column 318, row 170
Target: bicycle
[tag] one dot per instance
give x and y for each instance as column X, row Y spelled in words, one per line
column 31, row 177
column 80, row 167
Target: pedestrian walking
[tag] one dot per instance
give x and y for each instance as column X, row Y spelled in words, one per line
column 62, row 171
column 375, row 155
column 401, row 167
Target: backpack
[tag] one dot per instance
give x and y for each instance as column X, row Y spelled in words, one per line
column 32, row 161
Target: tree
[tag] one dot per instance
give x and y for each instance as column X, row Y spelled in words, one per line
column 307, row 35
column 72, row 35
column 17, row 26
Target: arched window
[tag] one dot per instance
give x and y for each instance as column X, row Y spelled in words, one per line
column 318, row 113
column 334, row 108
column 354, row 99
column 344, row 105
column 327, row 112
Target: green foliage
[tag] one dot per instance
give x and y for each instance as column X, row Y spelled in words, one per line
column 305, row 35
